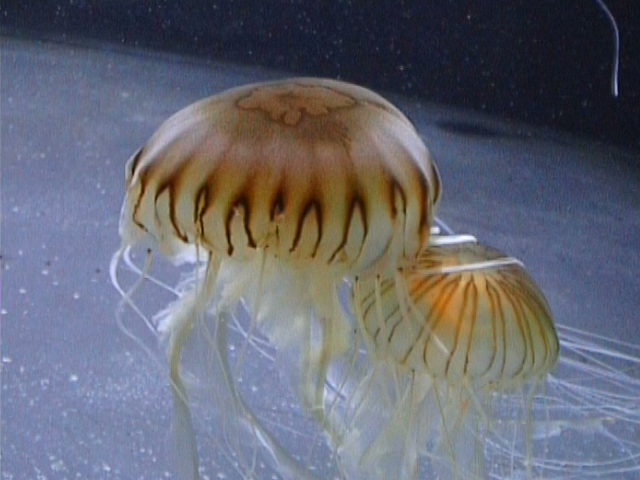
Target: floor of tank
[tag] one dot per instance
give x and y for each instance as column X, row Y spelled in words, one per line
column 80, row 399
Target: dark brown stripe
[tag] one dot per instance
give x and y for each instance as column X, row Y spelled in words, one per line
column 458, row 327
column 135, row 161
column 423, row 203
column 356, row 202
column 361, row 204
column 320, row 218
column 532, row 302
column 227, row 230
column 473, row 319
column 172, row 210
column 437, row 184
column 143, row 188
column 396, row 187
column 201, row 206
column 243, row 202
column 312, row 205
column 448, row 290
column 519, row 301
column 519, row 322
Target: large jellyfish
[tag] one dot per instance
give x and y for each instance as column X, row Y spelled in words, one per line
column 282, row 190
column 308, row 206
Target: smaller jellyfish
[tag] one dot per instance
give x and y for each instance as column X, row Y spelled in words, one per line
column 278, row 192
column 445, row 335
column 464, row 378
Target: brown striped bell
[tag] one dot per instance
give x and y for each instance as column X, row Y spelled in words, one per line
column 462, row 312
column 311, row 170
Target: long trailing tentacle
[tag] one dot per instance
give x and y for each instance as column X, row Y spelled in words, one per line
column 178, row 326
column 289, row 467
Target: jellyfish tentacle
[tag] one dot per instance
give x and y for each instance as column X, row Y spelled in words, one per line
column 259, row 291
column 290, row 468
column 177, row 327
column 333, row 342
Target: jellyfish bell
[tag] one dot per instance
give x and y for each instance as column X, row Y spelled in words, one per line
column 462, row 325
column 309, row 170
column 469, row 313
column 278, row 192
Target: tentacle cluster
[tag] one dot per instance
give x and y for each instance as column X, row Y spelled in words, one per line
column 308, row 208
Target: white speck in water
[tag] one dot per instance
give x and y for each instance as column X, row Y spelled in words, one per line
column 22, row 290
column 20, row 252
column 3, row 311
column 44, row 271
column 76, row 295
column 73, row 377
column 39, row 474
column 57, row 465
column 254, row 388
column 106, row 467
column 6, row 360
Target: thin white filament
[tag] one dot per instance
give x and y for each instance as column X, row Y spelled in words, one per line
column 616, row 47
